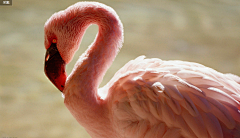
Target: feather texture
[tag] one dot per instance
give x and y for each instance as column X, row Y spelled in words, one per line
column 187, row 99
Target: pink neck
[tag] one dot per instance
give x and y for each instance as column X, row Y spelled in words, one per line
column 89, row 70
column 93, row 64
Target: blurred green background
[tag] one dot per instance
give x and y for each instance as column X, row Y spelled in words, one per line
column 207, row 32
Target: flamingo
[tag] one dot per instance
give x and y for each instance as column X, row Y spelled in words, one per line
column 146, row 98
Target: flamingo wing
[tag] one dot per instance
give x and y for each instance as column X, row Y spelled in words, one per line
column 154, row 98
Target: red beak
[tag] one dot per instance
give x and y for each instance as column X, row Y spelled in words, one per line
column 55, row 67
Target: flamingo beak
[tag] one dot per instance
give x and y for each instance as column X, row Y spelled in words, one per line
column 55, row 67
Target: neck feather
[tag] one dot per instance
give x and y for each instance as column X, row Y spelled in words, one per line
column 82, row 85
column 93, row 64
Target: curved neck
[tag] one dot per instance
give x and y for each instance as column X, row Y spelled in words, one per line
column 82, row 84
column 93, row 64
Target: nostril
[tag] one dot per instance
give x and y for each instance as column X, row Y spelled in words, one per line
column 47, row 58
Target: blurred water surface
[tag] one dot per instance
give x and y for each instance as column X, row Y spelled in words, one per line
column 207, row 32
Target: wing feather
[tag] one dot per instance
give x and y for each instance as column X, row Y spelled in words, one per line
column 221, row 112
column 202, row 103
column 220, row 95
column 172, row 133
column 189, row 105
column 173, row 99
column 157, row 131
column 212, row 125
column 174, row 92
column 233, row 110
column 153, row 108
column 186, row 130
column 168, row 115
column 175, row 106
column 196, row 124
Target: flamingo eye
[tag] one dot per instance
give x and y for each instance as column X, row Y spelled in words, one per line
column 54, row 41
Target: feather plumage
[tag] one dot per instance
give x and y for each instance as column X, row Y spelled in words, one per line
column 184, row 97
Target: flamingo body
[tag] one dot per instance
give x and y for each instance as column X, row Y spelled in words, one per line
column 147, row 98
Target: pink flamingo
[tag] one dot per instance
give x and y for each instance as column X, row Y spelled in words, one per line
column 147, row 98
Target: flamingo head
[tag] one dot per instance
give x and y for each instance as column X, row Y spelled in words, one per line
column 63, row 33
column 61, row 44
column 55, row 67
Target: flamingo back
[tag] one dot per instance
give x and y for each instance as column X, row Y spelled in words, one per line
column 154, row 98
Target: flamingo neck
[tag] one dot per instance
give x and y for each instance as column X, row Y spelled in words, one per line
column 82, row 84
column 94, row 62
